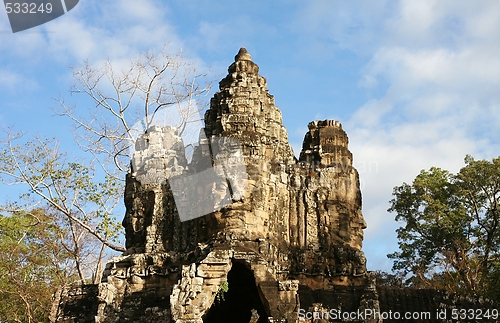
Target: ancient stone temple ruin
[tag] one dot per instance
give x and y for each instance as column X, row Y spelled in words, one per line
column 287, row 245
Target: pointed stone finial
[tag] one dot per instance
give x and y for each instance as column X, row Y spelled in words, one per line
column 243, row 63
column 243, row 55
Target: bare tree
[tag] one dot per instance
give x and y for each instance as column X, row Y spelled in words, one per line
column 127, row 100
column 66, row 187
column 119, row 102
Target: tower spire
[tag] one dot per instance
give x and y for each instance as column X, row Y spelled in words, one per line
column 243, row 55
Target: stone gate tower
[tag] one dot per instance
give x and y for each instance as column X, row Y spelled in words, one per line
column 291, row 243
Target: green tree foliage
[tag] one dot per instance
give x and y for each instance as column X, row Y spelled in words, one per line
column 450, row 236
column 67, row 187
column 388, row 279
column 73, row 196
column 33, row 263
column 80, row 196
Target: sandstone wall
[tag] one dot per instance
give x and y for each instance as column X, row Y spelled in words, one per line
column 296, row 229
column 292, row 238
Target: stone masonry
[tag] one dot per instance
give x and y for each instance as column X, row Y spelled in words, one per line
column 290, row 243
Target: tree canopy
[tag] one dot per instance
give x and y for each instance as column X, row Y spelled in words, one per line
column 33, row 259
column 450, row 236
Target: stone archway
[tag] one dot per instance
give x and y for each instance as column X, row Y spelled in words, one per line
column 241, row 298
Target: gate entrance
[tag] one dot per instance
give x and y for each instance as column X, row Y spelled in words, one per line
column 241, row 302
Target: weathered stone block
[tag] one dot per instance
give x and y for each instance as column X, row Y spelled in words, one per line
column 292, row 238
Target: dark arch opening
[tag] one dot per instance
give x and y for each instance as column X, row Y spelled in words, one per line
column 241, row 298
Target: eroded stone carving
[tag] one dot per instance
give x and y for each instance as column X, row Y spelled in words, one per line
column 298, row 223
column 288, row 285
column 291, row 240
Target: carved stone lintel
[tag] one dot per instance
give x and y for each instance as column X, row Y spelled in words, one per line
column 288, row 285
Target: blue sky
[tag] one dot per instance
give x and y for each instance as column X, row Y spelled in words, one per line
column 415, row 83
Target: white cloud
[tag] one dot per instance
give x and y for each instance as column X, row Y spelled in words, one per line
column 387, row 159
column 350, row 24
column 148, row 12
column 95, row 32
column 436, row 68
column 225, row 35
column 13, row 81
column 212, row 34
